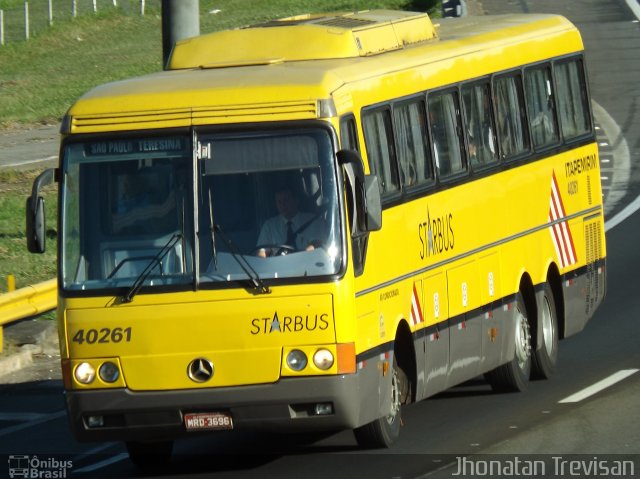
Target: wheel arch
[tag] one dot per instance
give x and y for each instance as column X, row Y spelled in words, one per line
column 555, row 281
column 527, row 290
column 405, row 355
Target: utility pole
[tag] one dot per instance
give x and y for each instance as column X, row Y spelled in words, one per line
column 180, row 19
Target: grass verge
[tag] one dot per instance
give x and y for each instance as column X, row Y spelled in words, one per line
column 42, row 77
column 27, row 268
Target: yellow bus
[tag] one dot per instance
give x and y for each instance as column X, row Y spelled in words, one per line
column 310, row 223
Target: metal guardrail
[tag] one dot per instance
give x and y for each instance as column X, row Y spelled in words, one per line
column 28, row 301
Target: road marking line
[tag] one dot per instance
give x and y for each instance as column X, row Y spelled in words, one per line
column 635, row 8
column 101, row 464
column 599, row 386
column 35, row 422
column 628, row 210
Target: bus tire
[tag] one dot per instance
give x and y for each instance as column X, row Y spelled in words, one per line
column 384, row 431
column 545, row 357
column 150, row 455
column 514, row 375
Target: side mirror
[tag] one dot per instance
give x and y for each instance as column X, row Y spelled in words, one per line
column 36, row 225
column 372, row 204
column 365, row 203
column 36, row 222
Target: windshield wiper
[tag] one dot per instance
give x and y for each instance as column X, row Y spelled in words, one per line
column 258, row 285
column 155, row 261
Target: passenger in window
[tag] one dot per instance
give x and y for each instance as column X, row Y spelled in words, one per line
column 291, row 229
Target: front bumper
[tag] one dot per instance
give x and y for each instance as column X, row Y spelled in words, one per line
column 287, row 405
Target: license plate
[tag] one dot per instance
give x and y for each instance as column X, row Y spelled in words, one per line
column 208, row 421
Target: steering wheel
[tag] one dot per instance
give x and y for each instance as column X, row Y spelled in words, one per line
column 275, row 249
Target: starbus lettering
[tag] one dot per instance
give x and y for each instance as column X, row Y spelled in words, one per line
column 289, row 324
column 580, row 165
column 436, row 235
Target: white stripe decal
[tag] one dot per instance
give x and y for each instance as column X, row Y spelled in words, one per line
column 560, row 232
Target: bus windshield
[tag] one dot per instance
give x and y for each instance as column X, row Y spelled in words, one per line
column 124, row 202
column 266, row 206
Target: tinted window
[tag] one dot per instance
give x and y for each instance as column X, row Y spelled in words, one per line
column 479, row 126
column 378, row 138
column 349, row 134
column 411, row 143
column 540, row 104
column 512, row 130
column 444, row 121
column 573, row 104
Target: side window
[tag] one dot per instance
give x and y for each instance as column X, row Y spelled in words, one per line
column 479, row 125
column 538, row 88
column 410, row 125
column 349, row 134
column 573, row 104
column 444, row 121
column 378, row 137
column 513, row 136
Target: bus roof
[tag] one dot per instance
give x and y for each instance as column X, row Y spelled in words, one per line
column 285, row 69
column 305, row 37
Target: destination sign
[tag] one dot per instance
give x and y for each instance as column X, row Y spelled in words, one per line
column 128, row 147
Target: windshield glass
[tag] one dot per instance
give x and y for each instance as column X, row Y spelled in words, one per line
column 267, row 206
column 127, row 209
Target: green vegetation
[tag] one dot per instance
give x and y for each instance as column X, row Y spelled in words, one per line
column 27, row 268
column 42, row 77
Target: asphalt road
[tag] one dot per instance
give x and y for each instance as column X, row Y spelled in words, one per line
column 546, row 422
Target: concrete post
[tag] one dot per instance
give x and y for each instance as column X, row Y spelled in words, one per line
column 180, row 19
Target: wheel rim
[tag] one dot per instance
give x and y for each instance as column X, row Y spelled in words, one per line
column 523, row 340
column 548, row 331
column 395, row 398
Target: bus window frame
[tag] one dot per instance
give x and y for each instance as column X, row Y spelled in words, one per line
column 349, row 122
column 463, row 175
column 586, row 94
column 481, row 169
column 526, row 153
column 392, row 198
column 420, row 188
column 543, row 65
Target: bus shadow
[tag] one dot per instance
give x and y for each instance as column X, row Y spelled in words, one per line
column 474, row 387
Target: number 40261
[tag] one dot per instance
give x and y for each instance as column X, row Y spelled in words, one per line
column 102, row 335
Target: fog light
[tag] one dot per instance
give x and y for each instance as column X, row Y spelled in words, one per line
column 296, row 360
column 95, row 421
column 85, row 373
column 109, row 372
column 323, row 359
column 323, row 409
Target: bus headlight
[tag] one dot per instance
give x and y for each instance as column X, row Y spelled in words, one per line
column 296, row 360
column 323, row 359
column 109, row 372
column 85, row 373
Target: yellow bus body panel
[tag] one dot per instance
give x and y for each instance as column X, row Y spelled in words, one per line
column 244, row 337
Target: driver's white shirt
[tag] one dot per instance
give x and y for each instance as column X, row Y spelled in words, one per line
column 274, row 230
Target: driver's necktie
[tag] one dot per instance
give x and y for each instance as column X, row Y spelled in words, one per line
column 291, row 237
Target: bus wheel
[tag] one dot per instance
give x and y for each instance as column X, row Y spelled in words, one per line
column 545, row 358
column 150, row 455
column 384, row 431
column 514, row 375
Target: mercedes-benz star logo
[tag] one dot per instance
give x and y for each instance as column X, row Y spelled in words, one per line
column 200, row 370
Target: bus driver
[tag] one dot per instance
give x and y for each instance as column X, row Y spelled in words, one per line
column 290, row 229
